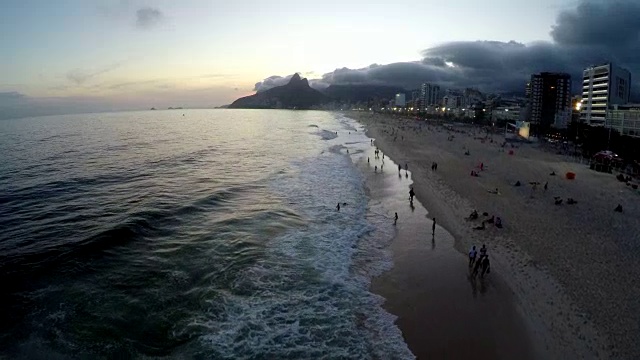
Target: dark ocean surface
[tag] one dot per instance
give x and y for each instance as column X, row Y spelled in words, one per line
column 212, row 235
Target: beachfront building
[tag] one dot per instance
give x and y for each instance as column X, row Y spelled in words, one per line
column 550, row 101
column 504, row 114
column 429, row 96
column 451, row 102
column 625, row 119
column 603, row 86
column 400, row 100
column 471, row 97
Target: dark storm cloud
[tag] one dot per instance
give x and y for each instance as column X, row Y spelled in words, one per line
column 148, row 17
column 611, row 24
column 592, row 33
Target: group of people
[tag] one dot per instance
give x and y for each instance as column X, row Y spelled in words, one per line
column 495, row 220
column 479, row 263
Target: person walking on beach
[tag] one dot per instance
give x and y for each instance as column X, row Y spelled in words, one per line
column 483, row 251
column 395, row 220
column 486, row 266
column 433, row 227
column 472, row 255
column 476, row 267
column 411, row 194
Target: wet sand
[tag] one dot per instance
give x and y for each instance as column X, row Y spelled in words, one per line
column 574, row 279
column 442, row 311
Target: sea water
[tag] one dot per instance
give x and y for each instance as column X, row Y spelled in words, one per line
column 208, row 234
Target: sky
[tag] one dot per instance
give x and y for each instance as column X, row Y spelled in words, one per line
column 80, row 55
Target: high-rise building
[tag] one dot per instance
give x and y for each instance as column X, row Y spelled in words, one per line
column 550, row 101
column 625, row 119
column 603, row 86
column 471, row 97
column 451, row 102
column 429, row 95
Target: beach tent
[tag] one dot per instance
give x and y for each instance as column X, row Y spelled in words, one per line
column 605, row 161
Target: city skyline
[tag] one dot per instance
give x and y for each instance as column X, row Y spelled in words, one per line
column 77, row 56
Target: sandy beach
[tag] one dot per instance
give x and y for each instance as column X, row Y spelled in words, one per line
column 568, row 270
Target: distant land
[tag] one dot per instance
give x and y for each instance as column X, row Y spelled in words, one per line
column 297, row 94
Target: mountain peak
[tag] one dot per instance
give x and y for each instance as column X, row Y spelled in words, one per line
column 295, row 79
column 297, row 94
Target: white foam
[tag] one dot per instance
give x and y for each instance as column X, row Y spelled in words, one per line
column 309, row 296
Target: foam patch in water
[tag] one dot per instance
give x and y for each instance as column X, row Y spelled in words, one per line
column 309, row 297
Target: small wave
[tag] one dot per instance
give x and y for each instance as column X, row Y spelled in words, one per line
column 327, row 135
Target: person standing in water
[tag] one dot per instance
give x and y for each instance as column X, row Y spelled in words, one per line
column 433, row 227
column 395, row 220
column 399, row 168
column 338, row 207
column 411, row 194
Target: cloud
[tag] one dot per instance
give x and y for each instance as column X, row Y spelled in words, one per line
column 129, row 84
column 610, row 24
column 588, row 34
column 271, row 82
column 148, row 17
column 11, row 96
column 80, row 76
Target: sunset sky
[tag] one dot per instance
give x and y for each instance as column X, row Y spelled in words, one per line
column 129, row 54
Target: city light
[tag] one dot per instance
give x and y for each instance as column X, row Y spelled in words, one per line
column 579, row 106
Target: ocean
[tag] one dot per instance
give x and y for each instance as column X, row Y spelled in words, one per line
column 202, row 234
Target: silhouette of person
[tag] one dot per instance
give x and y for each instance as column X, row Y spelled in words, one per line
column 433, row 227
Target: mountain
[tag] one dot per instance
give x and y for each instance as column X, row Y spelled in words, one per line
column 297, row 94
column 362, row 93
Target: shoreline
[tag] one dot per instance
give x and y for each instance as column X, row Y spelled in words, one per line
column 429, row 288
column 557, row 319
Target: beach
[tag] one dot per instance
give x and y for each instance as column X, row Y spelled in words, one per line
column 567, row 270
